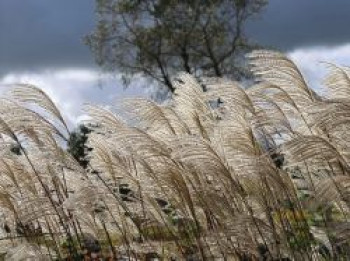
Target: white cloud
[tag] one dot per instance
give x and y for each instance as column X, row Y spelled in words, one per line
column 311, row 61
column 71, row 88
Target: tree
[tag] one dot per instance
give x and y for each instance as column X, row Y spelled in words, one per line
column 77, row 144
column 157, row 38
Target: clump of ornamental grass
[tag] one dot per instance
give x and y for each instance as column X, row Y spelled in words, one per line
column 229, row 172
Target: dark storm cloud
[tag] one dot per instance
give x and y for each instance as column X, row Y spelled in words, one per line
column 288, row 24
column 35, row 34
column 40, row 44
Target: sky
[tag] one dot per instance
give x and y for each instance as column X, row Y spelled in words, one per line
column 41, row 43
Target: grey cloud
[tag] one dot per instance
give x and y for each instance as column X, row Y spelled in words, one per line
column 42, row 34
column 36, row 34
column 288, row 24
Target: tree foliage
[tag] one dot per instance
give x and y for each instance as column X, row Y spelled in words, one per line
column 77, row 144
column 156, row 38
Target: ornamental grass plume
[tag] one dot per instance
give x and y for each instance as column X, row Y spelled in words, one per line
column 258, row 173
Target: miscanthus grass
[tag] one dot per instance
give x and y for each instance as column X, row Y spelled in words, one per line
column 229, row 173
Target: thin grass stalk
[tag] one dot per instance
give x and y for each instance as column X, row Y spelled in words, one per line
column 72, row 250
column 120, row 202
column 109, row 240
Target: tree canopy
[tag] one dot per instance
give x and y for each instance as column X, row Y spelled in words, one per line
column 157, row 38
